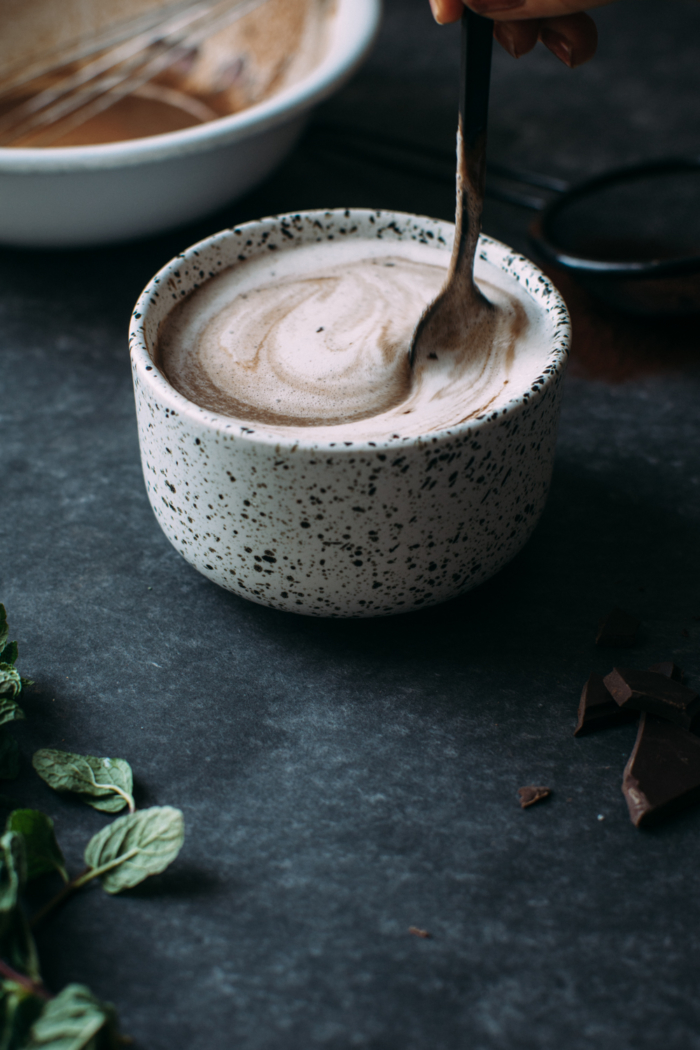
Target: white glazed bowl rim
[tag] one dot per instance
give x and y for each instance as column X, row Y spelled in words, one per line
column 356, row 26
column 539, row 287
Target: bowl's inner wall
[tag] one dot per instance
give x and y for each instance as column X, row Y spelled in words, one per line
column 380, row 230
column 235, row 66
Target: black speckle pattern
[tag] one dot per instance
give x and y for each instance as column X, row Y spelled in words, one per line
column 344, row 528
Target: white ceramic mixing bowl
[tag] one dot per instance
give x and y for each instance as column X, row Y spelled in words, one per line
column 83, row 195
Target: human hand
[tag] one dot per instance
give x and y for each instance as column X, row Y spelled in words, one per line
column 561, row 25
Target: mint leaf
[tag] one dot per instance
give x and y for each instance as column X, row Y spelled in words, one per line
column 10, row 682
column 9, row 760
column 133, row 847
column 10, row 711
column 19, row 1009
column 104, row 783
column 16, row 942
column 75, row 1020
column 9, row 654
column 41, row 850
column 4, row 630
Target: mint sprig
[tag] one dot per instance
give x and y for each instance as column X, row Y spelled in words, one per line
column 126, row 852
column 121, row 855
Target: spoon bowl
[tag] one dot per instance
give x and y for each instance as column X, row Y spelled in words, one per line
column 462, row 320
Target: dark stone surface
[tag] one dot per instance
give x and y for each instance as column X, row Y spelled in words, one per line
column 342, row 781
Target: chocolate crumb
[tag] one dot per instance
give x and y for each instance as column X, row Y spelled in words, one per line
column 417, row 932
column 653, row 692
column 663, row 771
column 597, row 708
column 531, row 794
column 619, row 629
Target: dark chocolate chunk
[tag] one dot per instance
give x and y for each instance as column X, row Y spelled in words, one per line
column 668, row 668
column 597, row 708
column 663, row 772
column 653, row 692
column 618, row 629
column 530, row 795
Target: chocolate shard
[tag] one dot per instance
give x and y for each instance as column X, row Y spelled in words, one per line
column 668, row 668
column 663, row 771
column 531, row 794
column 597, row 708
column 653, row 692
column 619, row 629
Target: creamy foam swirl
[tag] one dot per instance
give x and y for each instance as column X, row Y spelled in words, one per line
column 321, row 349
column 300, row 344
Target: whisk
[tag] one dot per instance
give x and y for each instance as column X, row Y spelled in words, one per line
column 87, row 78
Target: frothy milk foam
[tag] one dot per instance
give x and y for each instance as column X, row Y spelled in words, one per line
column 318, row 337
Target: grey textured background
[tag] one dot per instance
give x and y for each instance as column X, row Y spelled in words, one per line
column 342, row 781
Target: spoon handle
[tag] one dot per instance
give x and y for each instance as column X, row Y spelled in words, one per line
column 477, row 46
column 461, row 320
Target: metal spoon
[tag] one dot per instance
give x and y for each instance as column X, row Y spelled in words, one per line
column 461, row 320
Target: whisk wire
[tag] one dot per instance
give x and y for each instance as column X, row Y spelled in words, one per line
column 119, row 71
column 49, row 61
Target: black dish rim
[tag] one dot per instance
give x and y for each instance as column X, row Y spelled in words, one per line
column 541, row 238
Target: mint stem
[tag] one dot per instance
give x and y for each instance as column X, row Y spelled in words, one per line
column 62, row 895
column 117, row 791
column 36, row 987
column 124, row 794
column 78, row 882
column 94, row 873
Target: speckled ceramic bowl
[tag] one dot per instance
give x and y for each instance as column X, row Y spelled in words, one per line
column 344, row 528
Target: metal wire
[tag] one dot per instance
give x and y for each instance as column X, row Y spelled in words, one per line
column 118, row 71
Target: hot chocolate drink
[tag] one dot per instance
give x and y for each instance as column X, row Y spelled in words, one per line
column 318, row 337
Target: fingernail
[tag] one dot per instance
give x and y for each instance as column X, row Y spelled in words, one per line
column 490, row 7
column 559, row 46
column 435, row 7
column 506, row 39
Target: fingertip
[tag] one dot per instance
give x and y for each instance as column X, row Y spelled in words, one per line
column 572, row 38
column 517, row 38
column 558, row 45
column 446, row 11
column 502, row 34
